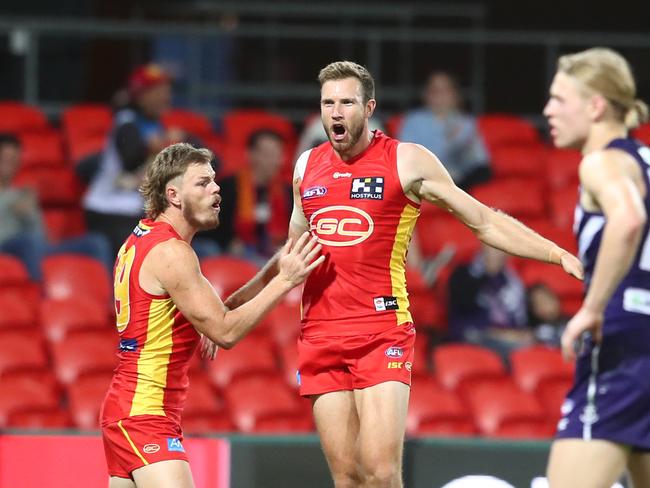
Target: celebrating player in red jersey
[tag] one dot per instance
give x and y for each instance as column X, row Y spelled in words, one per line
column 163, row 303
column 360, row 195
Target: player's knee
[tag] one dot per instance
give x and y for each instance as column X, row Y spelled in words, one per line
column 347, row 479
column 383, row 475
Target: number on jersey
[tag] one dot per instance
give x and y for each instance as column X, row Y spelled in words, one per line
column 121, row 285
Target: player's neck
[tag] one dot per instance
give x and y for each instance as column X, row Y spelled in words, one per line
column 601, row 134
column 182, row 227
column 361, row 145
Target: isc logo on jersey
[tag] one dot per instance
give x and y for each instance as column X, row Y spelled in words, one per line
column 341, row 225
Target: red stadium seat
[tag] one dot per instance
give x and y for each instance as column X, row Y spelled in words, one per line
column 66, row 191
column 226, row 273
column 263, row 398
column 535, row 364
column 201, row 424
column 500, row 409
column 516, row 197
column 85, row 396
column 421, row 353
column 525, row 160
column 41, row 149
column 454, row 364
column 563, row 205
column 86, row 145
column 289, row 361
column 283, row 323
column 501, row 129
column 562, row 236
column 86, row 119
column 436, row 411
column 16, row 117
column 252, row 355
column 298, row 423
column 16, row 313
column 427, row 311
column 191, row 122
column 64, row 223
column 551, row 394
column 76, row 276
column 13, row 273
column 21, row 350
column 62, row 316
column 84, row 352
column 40, row 418
column 202, row 397
column 562, row 168
column 553, row 276
column 437, row 232
column 642, row 133
column 23, row 391
column 394, row 125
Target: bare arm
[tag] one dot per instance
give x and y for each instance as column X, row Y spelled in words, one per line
column 609, row 186
column 424, row 177
column 177, row 272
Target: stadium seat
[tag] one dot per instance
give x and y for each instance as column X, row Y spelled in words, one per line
column 40, row 418
column 86, row 119
column 193, row 123
column 554, row 277
column 535, row 364
column 516, row 197
column 261, row 400
column 500, row 409
column 518, row 160
column 562, row 236
column 454, row 364
column 562, row 205
column 427, row 311
column 551, row 394
column 64, row 223
column 66, row 191
column 436, row 411
column 62, row 316
column 85, row 396
column 562, row 168
column 394, row 125
column 503, row 129
column 16, row 313
column 289, row 363
column 202, row 397
column 421, row 353
column 76, row 276
column 642, row 133
column 86, row 145
column 252, row 355
column 283, row 323
column 437, row 232
column 21, row 350
column 298, row 423
column 41, row 149
column 13, row 273
column 28, row 390
column 200, row 424
column 16, row 117
column 227, row 273
column 84, row 352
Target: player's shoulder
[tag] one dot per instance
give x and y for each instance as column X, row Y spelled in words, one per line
column 172, row 251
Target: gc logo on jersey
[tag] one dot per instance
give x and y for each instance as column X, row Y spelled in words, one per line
column 340, row 225
column 367, row 188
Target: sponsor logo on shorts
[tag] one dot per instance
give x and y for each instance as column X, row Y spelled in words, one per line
column 368, row 188
column 128, row 345
column 395, row 365
column 408, row 365
column 338, row 175
column 174, row 445
column 314, row 191
column 385, row 303
column 150, row 448
column 394, row 352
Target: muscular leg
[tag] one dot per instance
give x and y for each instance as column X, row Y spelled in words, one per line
column 164, row 474
column 639, row 469
column 338, row 426
column 116, row 482
column 382, row 413
column 587, row 464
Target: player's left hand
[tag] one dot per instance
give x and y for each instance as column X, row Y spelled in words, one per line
column 572, row 265
column 208, row 348
column 585, row 320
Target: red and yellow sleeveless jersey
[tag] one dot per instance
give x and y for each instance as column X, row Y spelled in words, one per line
column 156, row 341
column 363, row 219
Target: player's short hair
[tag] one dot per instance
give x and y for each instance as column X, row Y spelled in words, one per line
column 171, row 162
column 606, row 72
column 341, row 70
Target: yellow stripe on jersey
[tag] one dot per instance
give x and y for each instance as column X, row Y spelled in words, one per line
column 398, row 259
column 154, row 360
column 128, row 438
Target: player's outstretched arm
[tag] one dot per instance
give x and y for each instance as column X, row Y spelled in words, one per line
column 424, row 176
column 178, row 272
column 618, row 197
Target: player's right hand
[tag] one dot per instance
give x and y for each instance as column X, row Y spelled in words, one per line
column 585, row 320
column 298, row 260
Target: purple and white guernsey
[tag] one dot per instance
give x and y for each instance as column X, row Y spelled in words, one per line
column 610, row 398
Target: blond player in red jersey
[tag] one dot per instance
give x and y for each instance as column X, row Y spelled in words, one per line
column 163, row 303
column 360, row 194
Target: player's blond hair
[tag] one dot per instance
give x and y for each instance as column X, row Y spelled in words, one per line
column 341, row 70
column 170, row 163
column 606, row 72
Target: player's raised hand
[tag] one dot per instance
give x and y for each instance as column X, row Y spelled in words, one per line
column 584, row 321
column 300, row 259
column 572, row 265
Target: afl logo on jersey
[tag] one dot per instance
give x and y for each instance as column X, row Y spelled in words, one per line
column 340, row 225
column 314, row 191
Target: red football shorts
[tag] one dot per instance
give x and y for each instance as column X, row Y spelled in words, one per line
column 134, row 442
column 330, row 363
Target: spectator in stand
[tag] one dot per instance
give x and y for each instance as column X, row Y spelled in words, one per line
column 113, row 204
column 447, row 132
column 22, row 232
column 545, row 314
column 487, row 304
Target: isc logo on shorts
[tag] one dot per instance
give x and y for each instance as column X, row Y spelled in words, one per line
column 174, row 445
column 385, row 303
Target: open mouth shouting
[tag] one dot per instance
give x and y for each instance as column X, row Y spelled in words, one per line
column 338, row 131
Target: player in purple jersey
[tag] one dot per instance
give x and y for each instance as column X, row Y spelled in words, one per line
column 605, row 428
